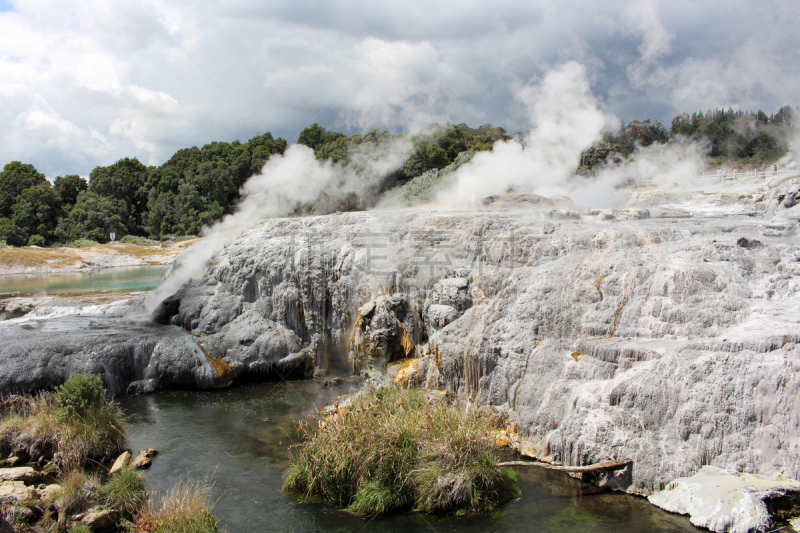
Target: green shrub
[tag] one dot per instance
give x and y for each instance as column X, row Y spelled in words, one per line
column 82, row 243
column 125, row 491
column 185, row 509
column 390, row 450
column 80, row 392
column 79, row 528
column 139, row 241
column 182, row 238
column 36, row 240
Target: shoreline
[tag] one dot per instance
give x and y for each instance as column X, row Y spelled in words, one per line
column 31, row 260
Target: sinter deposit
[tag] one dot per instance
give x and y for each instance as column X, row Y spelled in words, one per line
column 665, row 333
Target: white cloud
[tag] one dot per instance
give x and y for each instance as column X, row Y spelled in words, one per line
column 236, row 69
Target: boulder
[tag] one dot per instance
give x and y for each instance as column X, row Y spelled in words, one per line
column 122, row 461
column 18, row 490
column 26, row 474
column 99, row 519
column 727, row 502
column 144, row 459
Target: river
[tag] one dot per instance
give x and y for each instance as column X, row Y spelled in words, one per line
column 239, row 438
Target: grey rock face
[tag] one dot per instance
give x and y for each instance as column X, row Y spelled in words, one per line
column 664, row 340
column 40, row 354
column 670, row 340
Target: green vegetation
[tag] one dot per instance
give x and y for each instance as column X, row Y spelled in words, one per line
column 70, row 427
column 80, row 393
column 185, row 509
column 391, row 450
column 139, row 241
column 125, row 491
column 82, row 243
column 75, row 429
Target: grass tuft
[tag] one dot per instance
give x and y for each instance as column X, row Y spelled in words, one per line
column 185, row 509
column 391, row 450
column 125, row 491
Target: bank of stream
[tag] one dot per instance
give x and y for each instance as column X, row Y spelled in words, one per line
column 239, row 438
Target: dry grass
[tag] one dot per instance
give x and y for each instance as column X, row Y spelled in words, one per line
column 185, row 509
column 76, row 494
column 392, row 450
column 32, row 257
column 39, row 427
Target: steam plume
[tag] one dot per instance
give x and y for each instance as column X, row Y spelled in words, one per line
column 286, row 181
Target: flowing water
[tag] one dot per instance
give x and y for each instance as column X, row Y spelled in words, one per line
column 239, row 439
column 117, row 280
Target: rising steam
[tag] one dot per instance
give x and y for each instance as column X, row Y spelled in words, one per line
column 566, row 120
column 287, row 180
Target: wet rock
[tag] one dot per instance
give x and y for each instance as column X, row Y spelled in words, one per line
column 42, row 353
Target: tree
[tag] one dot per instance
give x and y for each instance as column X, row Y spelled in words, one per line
column 36, row 211
column 15, row 178
column 94, row 217
column 68, row 188
column 125, row 181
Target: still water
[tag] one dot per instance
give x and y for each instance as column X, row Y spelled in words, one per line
column 120, row 280
column 239, row 437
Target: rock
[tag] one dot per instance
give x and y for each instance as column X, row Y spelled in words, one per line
column 13, row 460
column 726, row 502
column 18, row 490
column 144, row 459
column 99, row 519
column 122, row 461
column 686, row 344
column 367, row 309
column 40, row 353
column 49, row 491
column 26, row 474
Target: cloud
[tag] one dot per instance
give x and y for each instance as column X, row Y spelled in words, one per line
column 236, row 69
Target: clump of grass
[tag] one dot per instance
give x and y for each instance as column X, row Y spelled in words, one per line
column 391, row 450
column 79, row 528
column 76, row 492
column 125, row 491
column 70, row 426
column 185, row 509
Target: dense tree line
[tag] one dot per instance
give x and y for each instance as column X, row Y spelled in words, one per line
column 198, row 186
column 745, row 138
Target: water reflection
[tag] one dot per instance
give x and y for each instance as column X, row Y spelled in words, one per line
column 239, row 438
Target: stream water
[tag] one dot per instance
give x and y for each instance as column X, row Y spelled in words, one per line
column 239, row 438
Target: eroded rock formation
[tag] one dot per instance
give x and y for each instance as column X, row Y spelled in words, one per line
column 665, row 333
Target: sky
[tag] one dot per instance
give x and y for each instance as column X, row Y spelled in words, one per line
column 86, row 83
